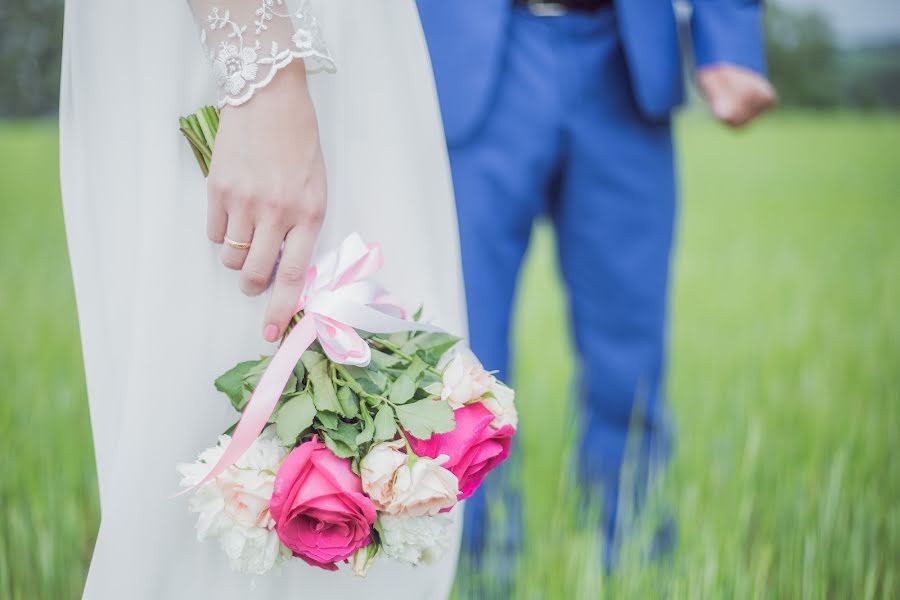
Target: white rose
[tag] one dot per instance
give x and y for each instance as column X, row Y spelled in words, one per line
column 234, row 507
column 398, row 485
column 501, row 401
column 415, row 539
column 464, row 379
column 424, row 488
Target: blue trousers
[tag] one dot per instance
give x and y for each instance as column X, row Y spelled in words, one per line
column 564, row 139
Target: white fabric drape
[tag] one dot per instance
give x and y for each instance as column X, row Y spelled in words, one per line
column 160, row 317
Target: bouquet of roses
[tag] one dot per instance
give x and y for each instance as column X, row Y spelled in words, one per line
column 356, row 437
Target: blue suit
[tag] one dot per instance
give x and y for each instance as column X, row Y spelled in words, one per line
column 569, row 118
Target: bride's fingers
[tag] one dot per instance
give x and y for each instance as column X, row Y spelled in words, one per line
column 289, row 280
column 216, row 220
column 260, row 262
column 239, row 233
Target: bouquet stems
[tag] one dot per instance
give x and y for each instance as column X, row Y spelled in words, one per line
column 200, row 128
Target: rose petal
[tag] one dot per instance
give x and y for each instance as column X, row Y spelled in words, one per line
column 474, row 447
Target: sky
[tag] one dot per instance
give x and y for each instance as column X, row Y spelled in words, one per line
column 856, row 21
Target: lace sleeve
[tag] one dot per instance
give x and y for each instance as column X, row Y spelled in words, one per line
column 248, row 41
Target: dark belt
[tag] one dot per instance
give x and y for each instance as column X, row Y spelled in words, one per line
column 558, row 6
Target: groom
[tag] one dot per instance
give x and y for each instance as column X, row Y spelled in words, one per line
column 564, row 109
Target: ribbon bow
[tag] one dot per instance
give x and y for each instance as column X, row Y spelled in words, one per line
column 337, row 299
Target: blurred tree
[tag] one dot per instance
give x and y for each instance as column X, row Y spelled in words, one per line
column 807, row 66
column 30, row 49
column 802, row 57
column 810, row 69
column 872, row 76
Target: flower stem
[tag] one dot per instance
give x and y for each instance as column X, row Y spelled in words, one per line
column 410, row 455
column 200, row 129
column 200, row 160
column 205, row 129
column 291, row 324
column 195, row 140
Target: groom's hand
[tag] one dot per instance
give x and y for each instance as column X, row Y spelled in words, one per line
column 735, row 95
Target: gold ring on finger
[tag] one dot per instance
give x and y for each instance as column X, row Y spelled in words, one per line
column 236, row 245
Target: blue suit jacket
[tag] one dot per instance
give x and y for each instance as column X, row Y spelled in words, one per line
column 466, row 39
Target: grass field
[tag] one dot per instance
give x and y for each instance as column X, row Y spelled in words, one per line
column 785, row 377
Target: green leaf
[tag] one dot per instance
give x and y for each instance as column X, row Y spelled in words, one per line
column 434, row 388
column 378, row 378
column 402, row 389
column 438, row 342
column 346, row 432
column 252, row 377
column 329, row 420
column 290, row 387
column 367, row 434
column 311, row 357
column 231, row 383
column 371, row 388
column 410, row 346
column 422, row 393
column 290, row 391
column 323, row 387
column 299, row 371
column 426, row 417
column 383, row 360
column 385, row 426
column 349, row 402
column 295, row 416
column 368, row 380
column 351, row 381
column 340, row 449
column 355, row 372
column 428, row 379
column 435, row 345
column 416, row 369
column 245, row 398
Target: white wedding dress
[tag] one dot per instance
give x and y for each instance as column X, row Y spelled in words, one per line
column 160, row 316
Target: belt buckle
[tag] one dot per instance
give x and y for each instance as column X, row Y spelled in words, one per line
column 546, row 9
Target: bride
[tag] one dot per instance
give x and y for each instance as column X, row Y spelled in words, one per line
column 170, row 269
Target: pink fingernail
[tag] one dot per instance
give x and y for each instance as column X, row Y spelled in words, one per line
column 271, row 332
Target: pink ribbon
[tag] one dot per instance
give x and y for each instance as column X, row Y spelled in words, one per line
column 337, row 300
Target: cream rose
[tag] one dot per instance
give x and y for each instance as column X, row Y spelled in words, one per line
column 378, row 469
column 500, row 400
column 400, row 486
column 464, row 379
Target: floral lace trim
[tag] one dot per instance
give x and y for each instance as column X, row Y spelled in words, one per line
column 237, row 62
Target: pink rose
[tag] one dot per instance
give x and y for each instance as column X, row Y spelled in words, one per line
column 474, row 446
column 319, row 508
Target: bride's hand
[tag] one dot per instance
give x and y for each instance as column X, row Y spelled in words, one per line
column 266, row 186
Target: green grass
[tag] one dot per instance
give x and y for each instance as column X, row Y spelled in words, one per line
column 48, row 501
column 785, row 377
